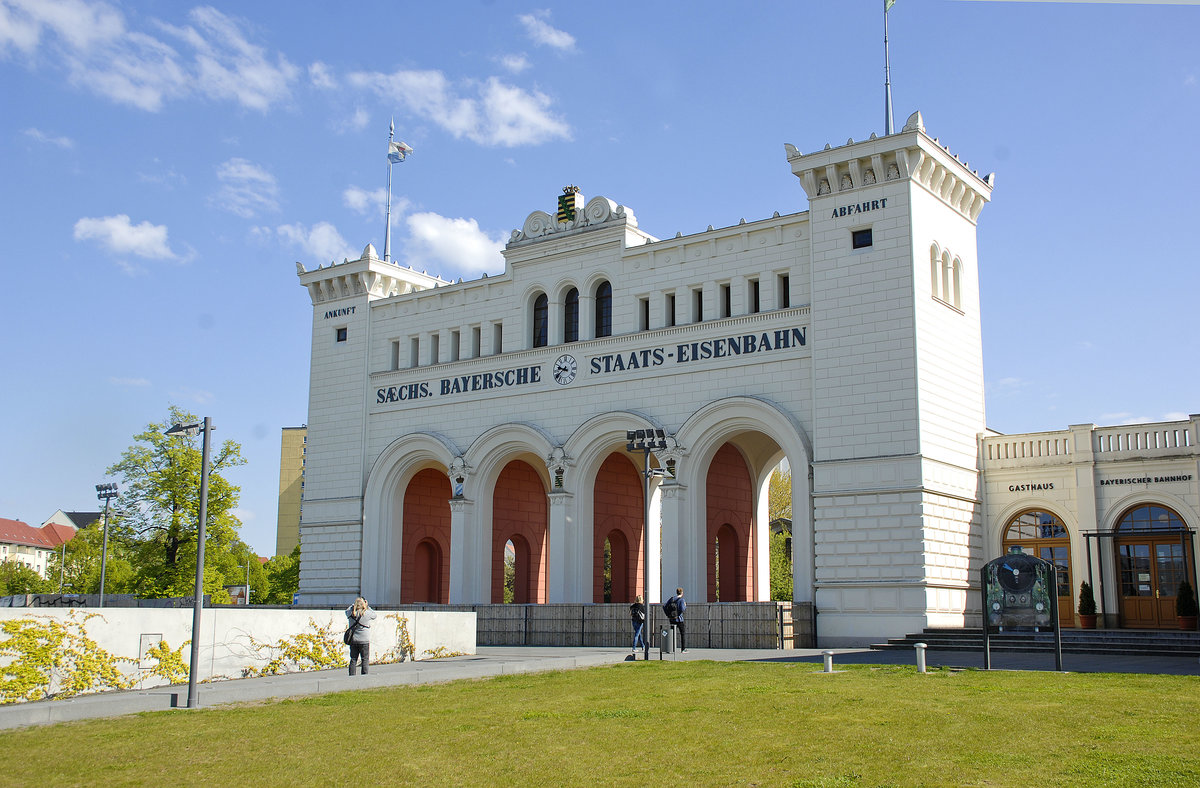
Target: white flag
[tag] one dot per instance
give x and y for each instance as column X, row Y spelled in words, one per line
column 397, row 151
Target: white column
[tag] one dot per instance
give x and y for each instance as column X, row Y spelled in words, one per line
column 803, row 548
column 559, row 577
column 762, row 542
column 462, row 581
column 672, row 511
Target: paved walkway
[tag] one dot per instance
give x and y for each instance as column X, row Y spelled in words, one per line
column 496, row 661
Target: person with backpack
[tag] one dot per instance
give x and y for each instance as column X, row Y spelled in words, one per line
column 674, row 608
column 637, row 615
column 358, row 633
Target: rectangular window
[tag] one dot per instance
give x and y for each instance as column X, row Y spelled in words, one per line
column 395, row 354
column 698, row 302
column 435, row 348
column 644, row 314
column 861, row 239
column 455, row 345
column 497, row 338
column 414, row 352
column 670, row 309
column 476, row 338
column 754, row 291
column 341, row 337
column 785, row 291
column 726, row 301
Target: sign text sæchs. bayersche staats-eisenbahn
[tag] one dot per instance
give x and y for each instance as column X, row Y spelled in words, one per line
column 606, row 364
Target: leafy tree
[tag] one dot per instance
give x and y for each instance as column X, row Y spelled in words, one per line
column 779, row 507
column 510, row 575
column 781, row 567
column 283, row 579
column 16, row 578
column 161, row 502
column 83, row 554
column 779, row 495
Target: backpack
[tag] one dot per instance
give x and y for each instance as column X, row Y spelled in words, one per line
column 671, row 608
column 638, row 614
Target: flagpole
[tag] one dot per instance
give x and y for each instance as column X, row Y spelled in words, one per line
column 887, row 72
column 387, row 230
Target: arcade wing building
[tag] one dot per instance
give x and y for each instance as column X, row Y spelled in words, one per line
column 450, row 423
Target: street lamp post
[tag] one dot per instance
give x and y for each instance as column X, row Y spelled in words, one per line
column 647, row 442
column 104, row 492
column 206, row 427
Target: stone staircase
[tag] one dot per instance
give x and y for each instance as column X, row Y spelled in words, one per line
column 1135, row 642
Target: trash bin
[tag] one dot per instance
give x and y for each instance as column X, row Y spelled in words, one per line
column 666, row 640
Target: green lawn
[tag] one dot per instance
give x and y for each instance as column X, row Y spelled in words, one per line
column 657, row 723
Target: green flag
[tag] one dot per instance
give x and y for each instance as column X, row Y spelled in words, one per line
column 887, row 4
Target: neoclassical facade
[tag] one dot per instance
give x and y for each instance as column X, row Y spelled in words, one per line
column 450, row 423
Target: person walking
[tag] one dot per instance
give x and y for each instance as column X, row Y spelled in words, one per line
column 359, row 617
column 674, row 608
column 637, row 615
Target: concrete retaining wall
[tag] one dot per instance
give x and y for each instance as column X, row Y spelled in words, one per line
column 233, row 639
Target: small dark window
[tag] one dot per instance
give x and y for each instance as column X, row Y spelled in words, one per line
column 785, row 291
column 571, row 316
column 541, row 326
column 698, row 297
column 604, row 310
column 644, row 320
column 670, row 309
column 755, row 291
column 726, row 301
column 861, row 239
column 341, row 335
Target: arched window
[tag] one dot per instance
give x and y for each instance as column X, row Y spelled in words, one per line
column 947, row 278
column 935, row 271
column 541, row 310
column 604, row 310
column 1041, row 534
column 1150, row 517
column 571, row 316
column 956, row 284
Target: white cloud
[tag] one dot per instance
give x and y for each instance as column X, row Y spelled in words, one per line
column 119, row 235
column 360, row 119
column 92, row 42
column 230, row 67
column 373, row 202
column 322, row 242
column 243, row 515
column 318, row 74
column 246, row 188
column 198, row 396
column 139, row 382
column 452, row 245
column 542, row 32
column 515, row 63
column 50, row 139
column 501, row 114
column 1177, row 415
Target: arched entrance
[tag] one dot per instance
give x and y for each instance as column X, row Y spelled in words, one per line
column 1153, row 547
column 729, row 497
column 424, row 569
column 1042, row 534
column 520, row 515
column 617, row 514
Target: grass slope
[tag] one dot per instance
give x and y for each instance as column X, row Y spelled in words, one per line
column 657, row 723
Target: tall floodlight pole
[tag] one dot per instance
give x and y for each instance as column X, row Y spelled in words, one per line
column 887, row 71
column 647, row 442
column 397, row 152
column 104, row 492
column 191, row 429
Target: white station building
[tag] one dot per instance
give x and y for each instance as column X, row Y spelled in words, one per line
column 450, row 422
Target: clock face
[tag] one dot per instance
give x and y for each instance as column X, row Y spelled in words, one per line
column 565, row 369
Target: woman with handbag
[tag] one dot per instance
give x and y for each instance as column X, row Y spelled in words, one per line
column 358, row 633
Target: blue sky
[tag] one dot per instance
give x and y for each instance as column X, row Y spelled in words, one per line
column 164, row 165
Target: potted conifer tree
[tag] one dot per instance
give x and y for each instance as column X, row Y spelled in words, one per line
column 1087, row 606
column 1185, row 606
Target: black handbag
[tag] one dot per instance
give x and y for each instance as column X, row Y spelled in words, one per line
column 349, row 633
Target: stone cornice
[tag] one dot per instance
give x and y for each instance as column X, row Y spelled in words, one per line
column 598, row 212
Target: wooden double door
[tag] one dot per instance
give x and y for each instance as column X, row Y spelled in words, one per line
column 1150, row 569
